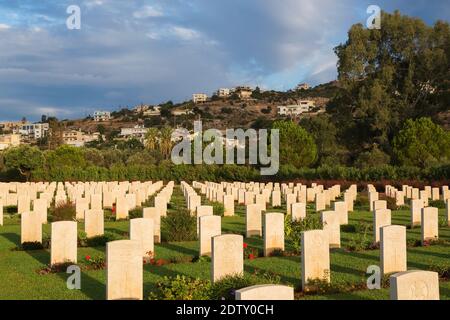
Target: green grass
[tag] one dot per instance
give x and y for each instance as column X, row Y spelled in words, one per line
column 20, row 278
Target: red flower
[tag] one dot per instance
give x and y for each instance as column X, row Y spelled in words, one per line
column 251, row 256
column 245, row 245
column 88, row 258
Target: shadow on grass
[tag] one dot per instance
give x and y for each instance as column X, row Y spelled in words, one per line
column 179, row 248
column 14, row 238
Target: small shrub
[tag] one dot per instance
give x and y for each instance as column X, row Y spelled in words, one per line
column 294, row 229
column 95, row 263
column 100, row 241
column 440, row 204
column 226, row 287
column 361, row 202
column 64, row 211
column 56, row 268
column 30, row 246
column 218, row 209
column 135, row 213
column 443, row 269
column 250, row 253
column 181, row 288
column 179, row 226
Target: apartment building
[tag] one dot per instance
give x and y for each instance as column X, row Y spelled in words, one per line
column 77, row 138
column 34, row 130
column 223, row 92
column 137, row 132
column 199, row 97
column 302, row 86
column 296, row 109
column 244, row 92
column 100, row 116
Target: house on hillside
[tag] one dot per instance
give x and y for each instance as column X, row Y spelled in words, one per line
column 296, row 109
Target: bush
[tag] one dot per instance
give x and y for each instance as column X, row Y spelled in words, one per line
column 440, row 204
column 100, row 241
column 179, row 226
column 64, row 211
column 181, row 288
column 30, row 246
column 218, row 209
column 226, row 287
column 294, row 229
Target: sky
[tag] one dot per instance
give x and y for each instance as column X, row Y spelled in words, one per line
column 151, row 51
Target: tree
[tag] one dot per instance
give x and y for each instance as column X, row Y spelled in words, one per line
column 388, row 75
column 24, row 159
column 65, row 156
column 151, row 138
column 297, row 146
column 325, row 134
column 421, row 143
column 166, row 141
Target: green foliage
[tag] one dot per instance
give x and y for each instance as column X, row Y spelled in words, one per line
column 421, row 143
column 226, row 287
column 293, row 229
column 30, row 246
column 65, row 156
column 218, row 209
column 179, row 226
column 297, row 147
column 372, row 158
column 64, row 211
column 181, row 288
column 24, row 159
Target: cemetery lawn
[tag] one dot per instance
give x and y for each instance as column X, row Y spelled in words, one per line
column 20, row 278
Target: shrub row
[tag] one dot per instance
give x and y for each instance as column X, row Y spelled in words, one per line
column 168, row 171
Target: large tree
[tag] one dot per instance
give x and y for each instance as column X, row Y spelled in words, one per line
column 297, row 146
column 388, row 75
column 24, row 159
column 422, row 143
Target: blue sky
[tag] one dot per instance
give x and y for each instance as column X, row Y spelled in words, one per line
column 134, row 51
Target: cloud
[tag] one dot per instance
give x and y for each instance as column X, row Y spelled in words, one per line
column 148, row 12
column 128, row 52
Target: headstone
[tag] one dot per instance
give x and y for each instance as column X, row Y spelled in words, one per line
column 203, row 211
column 332, row 228
column 379, row 204
column 435, row 194
column 381, row 218
column 30, row 227
column 121, row 208
column 227, row 256
column 124, row 270
column 298, row 211
column 253, row 220
column 320, row 202
column 416, row 211
column 96, row 202
column 276, row 198
column 447, row 209
column 81, row 205
column 154, row 214
column 430, row 223
column 40, row 208
column 141, row 230
column 94, row 223
column 63, row 242
column 273, row 233
column 315, row 257
column 373, row 196
column 210, row 226
column 290, row 199
column 393, row 249
column 228, row 203
column 23, row 203
column 341, row 209
column 414, row 285
column 161, row 204
column 265, row 292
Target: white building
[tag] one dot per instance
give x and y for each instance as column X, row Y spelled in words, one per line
column 199, row 97
column 137, row 132
column 296, row 109
column 302, row 86
column 34, row 130
column 223, row 92
column 100, row 116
